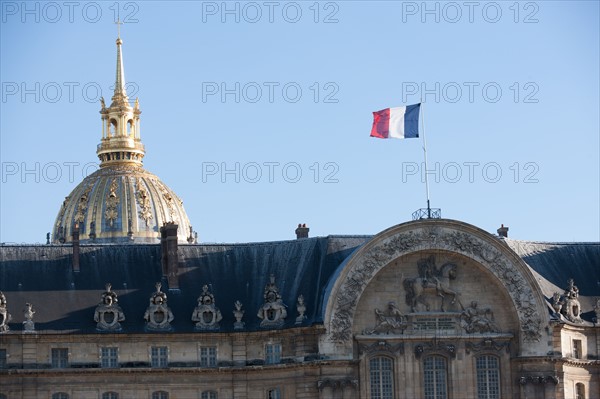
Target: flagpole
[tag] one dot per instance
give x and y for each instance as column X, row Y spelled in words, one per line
column 425, row 156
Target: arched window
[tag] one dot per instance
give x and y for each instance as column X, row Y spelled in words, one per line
column 110, row 395
column 209, row 395
column 435, row 377
column 381, row 374
column 160, row 395
column 60, row 395
column 112, row 128
column 488, row 377
column 579, row 391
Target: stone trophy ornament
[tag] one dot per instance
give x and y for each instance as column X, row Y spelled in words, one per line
column 568, row 304
column 206, row 315
column 158, row 316
column 5, row 317
column 109, row 315
column 301, row 307
column 273, row 312
column 28, row 324
column 238, row 313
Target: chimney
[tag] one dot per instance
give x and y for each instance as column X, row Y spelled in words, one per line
column 75, row 236
column 169, row 258
column 503, row 231
column 302, row 231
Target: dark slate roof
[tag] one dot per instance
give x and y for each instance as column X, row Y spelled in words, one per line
column 65, row 301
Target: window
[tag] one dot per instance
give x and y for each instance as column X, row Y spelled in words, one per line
column 109, row 357
column 577, row 348
column 59, row 358
column 209, row 395
column 3, row 362
column 579, row 391
column 435, row 377
column 273, row 394
column 160, row 395
column 60, row 395
column 488, row 377
column 382, row 378
column 272, row 353
column 208, row 356
column 158, row 356
column 3, row 396
column 110, row 395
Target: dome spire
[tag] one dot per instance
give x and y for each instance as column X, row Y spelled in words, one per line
column 120, row 94
column 121, row 142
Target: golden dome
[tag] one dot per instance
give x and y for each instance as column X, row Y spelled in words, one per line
column 120, row 202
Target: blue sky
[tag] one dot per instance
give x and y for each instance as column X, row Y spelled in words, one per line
column 258, row 114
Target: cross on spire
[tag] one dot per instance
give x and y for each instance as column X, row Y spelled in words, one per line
column 118, row 23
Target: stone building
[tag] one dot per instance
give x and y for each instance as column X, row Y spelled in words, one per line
column 125, row 304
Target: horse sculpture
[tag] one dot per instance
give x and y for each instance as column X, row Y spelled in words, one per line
column 431, row 281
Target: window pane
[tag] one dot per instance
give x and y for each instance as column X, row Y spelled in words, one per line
column 488, row 377
column 435, row 378
column 208, row 356
column 109, row 358
column 160, row 395
column 209, row 395
column 3, row 364
column 60, row 395
column 272, row 353
column 381, row 372
column 110, row 395
column 60, row 358
column 159, row 356
column 273, row 394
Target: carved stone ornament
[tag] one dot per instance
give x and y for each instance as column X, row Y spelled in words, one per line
column 301, row 307
column 143, row 199
column 568, row 304
column 111, row 212
column 486, row 345
column 382, row 346
column 28, row 324
column 478, row 320
column 432, row 282
column 388, row 321
column 538, row 379
column 273, row 312
column 435, row 346
column 337, row 384
column 448, row 237
column 158, row 316
column 5, row 317
column 238, row 313
column 206, row 315
column 109, row 315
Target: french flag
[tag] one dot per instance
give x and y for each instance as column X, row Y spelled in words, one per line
column 396, row 123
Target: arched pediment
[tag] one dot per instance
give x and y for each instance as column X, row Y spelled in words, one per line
column 433, row 235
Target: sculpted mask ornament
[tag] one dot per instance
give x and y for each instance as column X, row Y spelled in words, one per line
column 5, row 317
column 109, row 314
column 206, row 315
column 273, row 312
column 158, row 316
